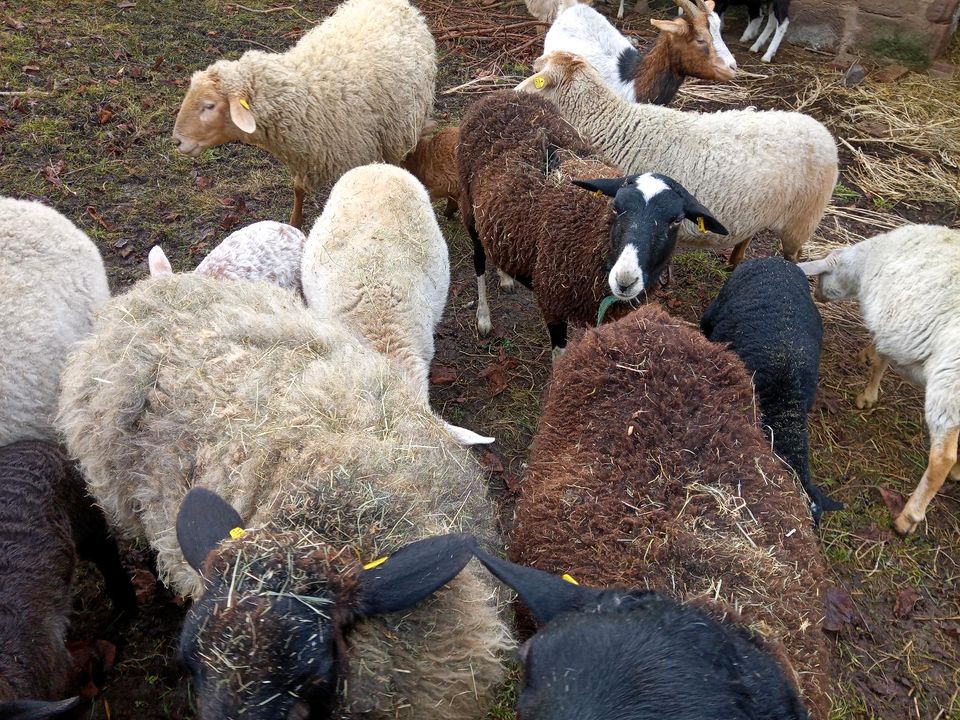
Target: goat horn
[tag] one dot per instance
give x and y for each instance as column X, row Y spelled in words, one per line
column 688, row 7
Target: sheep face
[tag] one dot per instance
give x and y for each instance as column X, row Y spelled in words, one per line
column 617, row 653
column 837, row 275
column 649, row 210
column 209, row 115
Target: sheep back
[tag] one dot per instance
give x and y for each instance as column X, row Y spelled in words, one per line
column 648, row 470
column 54, row 281
column 516, row 159
column 381, row 268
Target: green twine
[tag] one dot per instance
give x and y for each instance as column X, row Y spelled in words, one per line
column 604, row 306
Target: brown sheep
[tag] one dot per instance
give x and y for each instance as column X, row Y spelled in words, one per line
column 434, row 163
column 648, row 470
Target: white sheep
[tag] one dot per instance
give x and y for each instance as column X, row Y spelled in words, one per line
column 907, row 282
column 377, row 261
column 267, row 250
column 54, row 281
column 756, row 170
column 356, row 89
column 328, row 458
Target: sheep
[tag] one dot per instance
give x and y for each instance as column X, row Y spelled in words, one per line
column 46, row 519
column 689, row 45
column 769, row 170
column 356, row 89
column 54, row 281
column 778, row 20
column 648, row 470
column 267, row 250
column 765, row 313
column 519, row 166
column 906, row 283
column 434, row 163
column 328, row 457
column 382, row 269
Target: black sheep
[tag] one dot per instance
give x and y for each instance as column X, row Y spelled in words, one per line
column 46, row 520
column 765, row 312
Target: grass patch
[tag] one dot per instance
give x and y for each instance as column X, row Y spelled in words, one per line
column 906, row 50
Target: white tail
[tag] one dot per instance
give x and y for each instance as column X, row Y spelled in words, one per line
column 158, row 263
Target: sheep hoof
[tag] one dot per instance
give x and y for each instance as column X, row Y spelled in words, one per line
column 904, row 525
column 557, row 353
column 865, row 402
column 484, row 326
column 507, row 283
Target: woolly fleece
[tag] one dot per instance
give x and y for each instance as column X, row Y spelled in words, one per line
column 53, row 283
column 648, row 471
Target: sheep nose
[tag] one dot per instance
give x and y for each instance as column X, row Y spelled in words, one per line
column 625, row 282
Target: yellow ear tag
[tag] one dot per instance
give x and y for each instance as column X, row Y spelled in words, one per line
column 569, row 579
column 237, row 533
column 376, row 563
column 539, row 82
column 700, row 224
column 243, row 102
column 598, row 193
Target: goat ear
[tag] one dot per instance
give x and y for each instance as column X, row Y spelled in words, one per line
column 467, row 437
column 606, row 186
column 158, row 263
column 710, row 6
column 204, row 521
column 693, row 209
column 37, row 709
column 412, row 573
column 241, row 114
column 678, row 27
column 546, row 595
column 812, row 268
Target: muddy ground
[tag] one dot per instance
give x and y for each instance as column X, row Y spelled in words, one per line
column 88, row 94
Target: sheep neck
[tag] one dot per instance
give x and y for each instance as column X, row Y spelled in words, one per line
column 658, row 77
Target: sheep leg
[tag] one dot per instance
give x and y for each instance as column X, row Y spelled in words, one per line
column 507, row 283
column 878, row 366
column 95, row 544
column 484, row 326
column 296, row 217
column 739, row 250
column 943, row 457
column 451, row 209
column 765, row 35
column 777, row 37
column 558, row 338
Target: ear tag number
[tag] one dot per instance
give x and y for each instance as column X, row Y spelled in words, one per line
column 237, row 533
column 376, row 563
column 700, row 226
column 569, row 579
column 539, row 82
column 244, row 103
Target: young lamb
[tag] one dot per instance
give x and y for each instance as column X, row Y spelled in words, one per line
column 649, row 471
column 757, row 170
column 765, row 313
column 434, row 163
column 54, row 281
column 46, row 519
column 356, row 89
column 689, row 45
column 267, row 251
column 520, row 169
column 778, row 21
column 382, row 269
column 330, row 458
column 906, row 282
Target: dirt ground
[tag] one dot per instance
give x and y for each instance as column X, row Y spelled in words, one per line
column 88, row 94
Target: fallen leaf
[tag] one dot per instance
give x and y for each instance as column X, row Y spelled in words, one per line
column 874, row 534
column 12, row 22
column 136, row 72
column 496, row 372
column 104, row 115
column 442, row 375
column 838, row 607
column 229, row 221
column 170, row 217
column 490, row 462
column 203, row 182
column 907, row 600
column 828, row 400
column 158, row 62
column 51, row 173
column 31, row 67
column 893, row 500
column 126, row 4
column 144, row 585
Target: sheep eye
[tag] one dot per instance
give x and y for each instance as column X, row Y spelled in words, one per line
column 676, row 221
column 207, row 105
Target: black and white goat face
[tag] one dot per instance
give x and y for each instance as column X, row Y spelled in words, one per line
column 649, row 210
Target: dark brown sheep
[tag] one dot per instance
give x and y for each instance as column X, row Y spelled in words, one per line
column 46, row 518
column 649, row 471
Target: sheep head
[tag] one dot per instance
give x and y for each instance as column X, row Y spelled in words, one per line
column 649, row 210
column 695, row 45
column 553, row 72
column 837, row 274
column 266, row 639
column 215, row 110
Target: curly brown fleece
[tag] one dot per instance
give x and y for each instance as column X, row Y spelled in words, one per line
column 648, row 470
column 516, row 159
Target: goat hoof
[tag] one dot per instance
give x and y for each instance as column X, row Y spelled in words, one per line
column 484, row 326
column 905, row 525
column 766, row 59
column 865, row 402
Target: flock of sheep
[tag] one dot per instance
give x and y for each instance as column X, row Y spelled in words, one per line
column 264, row 423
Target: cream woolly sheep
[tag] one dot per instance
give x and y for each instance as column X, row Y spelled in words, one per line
column 756, row 171
column 355, row 89
column 907, row 282
column 53, row 282
column 267, row 250
column 382, row 268
column 329, row 456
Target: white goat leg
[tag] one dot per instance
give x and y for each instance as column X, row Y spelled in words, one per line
column 484, row 326
column 507, row 283
column 753, row 29
column 775, row 43
column 620, row 11
column 767, row 32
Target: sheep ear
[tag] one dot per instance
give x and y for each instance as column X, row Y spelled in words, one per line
column 37, row 709
column 158, row 263
column 467, row 437
column 812, row 268
column 204, row 521
column 606, row 186
column 241, row 114
column 413, row 572
column 546, row 595
column 678, row 27
column 693, row 209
